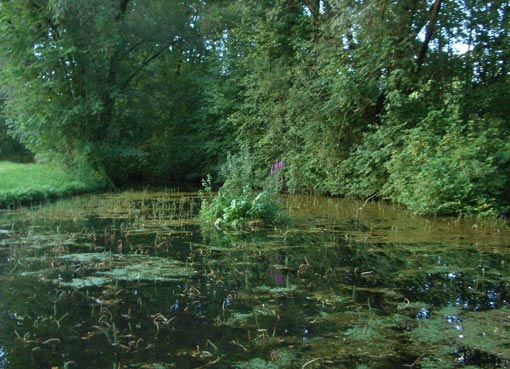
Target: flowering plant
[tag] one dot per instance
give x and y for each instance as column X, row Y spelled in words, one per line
column 276, row 177
column 238, row 204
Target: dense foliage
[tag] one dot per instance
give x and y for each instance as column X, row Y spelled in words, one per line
column 107, row 85
column 407, row 101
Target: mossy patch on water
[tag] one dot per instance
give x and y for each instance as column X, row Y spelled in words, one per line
column 130, row 267
column 278, row 358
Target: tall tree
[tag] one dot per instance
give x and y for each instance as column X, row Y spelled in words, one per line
column 71, row 64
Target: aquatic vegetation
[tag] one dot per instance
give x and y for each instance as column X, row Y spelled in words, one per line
column 237, row 204
column 132, row 279
column 278, row 359
column 238, row 211
column 126, row 268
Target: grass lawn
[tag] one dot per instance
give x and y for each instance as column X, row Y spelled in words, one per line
column 29, row 183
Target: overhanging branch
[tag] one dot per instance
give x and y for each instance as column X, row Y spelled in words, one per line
column 144, row 64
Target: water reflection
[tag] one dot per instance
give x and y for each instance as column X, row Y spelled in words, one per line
column 3, row 358
column 131, row 281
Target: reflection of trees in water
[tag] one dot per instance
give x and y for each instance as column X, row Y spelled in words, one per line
column 305, row 288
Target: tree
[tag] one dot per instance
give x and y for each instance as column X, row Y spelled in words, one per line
column 342, row 90
column 72, row 66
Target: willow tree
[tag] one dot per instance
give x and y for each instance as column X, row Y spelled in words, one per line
column 71, row 66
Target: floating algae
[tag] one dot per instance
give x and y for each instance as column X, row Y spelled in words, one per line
column 129, row 268
column 131, row 280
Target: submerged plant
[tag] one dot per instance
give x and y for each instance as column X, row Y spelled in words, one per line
column 237, row 203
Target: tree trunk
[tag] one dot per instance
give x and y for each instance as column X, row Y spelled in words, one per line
column 431, row 27
column 108, row 102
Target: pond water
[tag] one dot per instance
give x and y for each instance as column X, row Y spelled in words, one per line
column 131, row 280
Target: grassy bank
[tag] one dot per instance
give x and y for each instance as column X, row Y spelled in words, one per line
column 22, row 184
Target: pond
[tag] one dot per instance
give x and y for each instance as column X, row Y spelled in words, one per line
column 131, row 280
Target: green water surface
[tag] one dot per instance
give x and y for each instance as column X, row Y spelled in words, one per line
column 131, row 280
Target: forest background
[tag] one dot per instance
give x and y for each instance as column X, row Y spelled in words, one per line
column 401, row 100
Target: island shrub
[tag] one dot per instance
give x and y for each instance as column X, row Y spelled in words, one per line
column 237, row 203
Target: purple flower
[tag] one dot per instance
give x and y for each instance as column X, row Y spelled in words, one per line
column 278, row 165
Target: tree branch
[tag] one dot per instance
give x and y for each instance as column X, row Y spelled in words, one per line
column 122, row 8
column 135, row 45
column 313, row 6
column 431, row 27
column 144, row 64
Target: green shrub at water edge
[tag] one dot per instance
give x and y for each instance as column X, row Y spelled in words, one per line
column 435, row 159
column 237, row 203
column 225, row 210
column 458, row 170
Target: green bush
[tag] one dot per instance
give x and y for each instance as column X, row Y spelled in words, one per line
column 237, row 203
column 457, row 169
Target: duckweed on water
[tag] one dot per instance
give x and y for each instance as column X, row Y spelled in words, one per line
column 131, row 281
